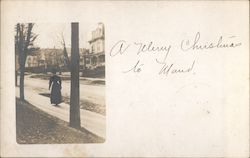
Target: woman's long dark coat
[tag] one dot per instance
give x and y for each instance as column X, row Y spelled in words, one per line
column 55, row 97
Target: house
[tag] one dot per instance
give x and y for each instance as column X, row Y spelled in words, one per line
column 95, row 57
column 31, row 61
column 45, row 59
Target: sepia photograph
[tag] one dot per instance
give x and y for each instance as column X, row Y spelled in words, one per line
column 60, row 83
column 82, row 78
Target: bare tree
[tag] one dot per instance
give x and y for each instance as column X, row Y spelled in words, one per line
column 16, row 56
column 74, row 89
column 65, row 54
column 24, row 42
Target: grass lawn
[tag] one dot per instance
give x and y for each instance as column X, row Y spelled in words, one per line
column 34, row 126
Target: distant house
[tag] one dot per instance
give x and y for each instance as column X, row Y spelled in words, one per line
column 31, row 61
column 45, row 59
column 95, row 57
column 48, row 58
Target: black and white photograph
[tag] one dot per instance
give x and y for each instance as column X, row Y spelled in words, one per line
column 60, row 83
column 130, row 78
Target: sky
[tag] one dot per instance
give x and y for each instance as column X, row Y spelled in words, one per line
column 50, row 34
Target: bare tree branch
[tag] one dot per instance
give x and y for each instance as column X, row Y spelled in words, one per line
column 33, row 39
column 65, row 54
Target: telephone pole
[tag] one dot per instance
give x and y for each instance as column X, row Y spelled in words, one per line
column 74, row 89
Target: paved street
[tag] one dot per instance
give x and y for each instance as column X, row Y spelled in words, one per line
column 91, row 121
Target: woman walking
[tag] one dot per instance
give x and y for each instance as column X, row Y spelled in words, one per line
column 56, row 83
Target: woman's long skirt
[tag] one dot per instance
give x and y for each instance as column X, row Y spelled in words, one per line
column 56, row 96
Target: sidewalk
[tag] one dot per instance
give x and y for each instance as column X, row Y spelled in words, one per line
column 91, row 121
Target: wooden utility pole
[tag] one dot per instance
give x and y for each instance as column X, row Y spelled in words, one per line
column 74, row 89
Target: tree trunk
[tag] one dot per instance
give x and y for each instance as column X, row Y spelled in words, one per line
column 21, row 62
column 15, row 77
column 21, row 84
column 22, row 71
column 74, row 90
column 66, row 57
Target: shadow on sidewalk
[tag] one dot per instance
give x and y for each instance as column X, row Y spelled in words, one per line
column 45, row 94
column 84, row 104
column 34, row 126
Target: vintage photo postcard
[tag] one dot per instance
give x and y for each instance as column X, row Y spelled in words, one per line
column 124, row 78
column 52, row 77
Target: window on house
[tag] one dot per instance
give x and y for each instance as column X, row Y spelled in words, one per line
column 98, row 46
column 102, row 58
column 87, row 61
column 92, row 49
column 94, row 60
